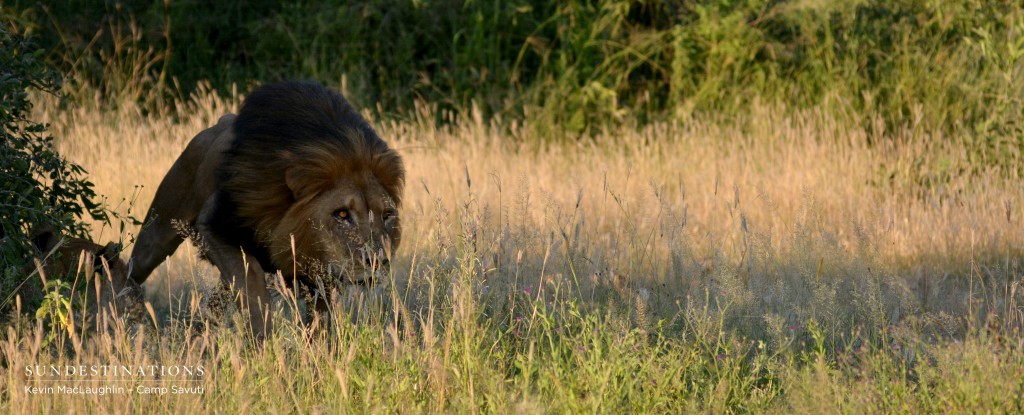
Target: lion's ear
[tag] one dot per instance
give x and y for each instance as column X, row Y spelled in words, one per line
column 297, row 182
column 110, row 251
column 294, row 178
column 44, row 238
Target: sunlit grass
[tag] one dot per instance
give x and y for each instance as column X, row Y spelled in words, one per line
column 776, row 263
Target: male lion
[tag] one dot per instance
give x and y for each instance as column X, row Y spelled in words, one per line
column 298, row 182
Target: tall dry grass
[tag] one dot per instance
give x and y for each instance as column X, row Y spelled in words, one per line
column 695, row 264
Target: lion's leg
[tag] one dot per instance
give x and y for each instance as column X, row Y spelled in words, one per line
column 156, row 242
column 242, row 275
column 181, row 196
column 244, row 278
column 318, row 313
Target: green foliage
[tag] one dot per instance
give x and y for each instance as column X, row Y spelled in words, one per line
column 40, row 188
column 948, row 68
column 56, row 308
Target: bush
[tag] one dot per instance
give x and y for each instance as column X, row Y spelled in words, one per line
column 40, row 187
column 948, row 68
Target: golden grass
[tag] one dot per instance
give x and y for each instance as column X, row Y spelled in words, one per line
column 752, row 241
column 729, row 191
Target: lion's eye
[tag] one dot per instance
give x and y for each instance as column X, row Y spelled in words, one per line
column 343, row 214
column 388, row 215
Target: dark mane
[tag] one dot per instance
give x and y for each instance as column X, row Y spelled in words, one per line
column 299, row 126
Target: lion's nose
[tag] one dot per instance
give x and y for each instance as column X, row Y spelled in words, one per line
column 376, row 261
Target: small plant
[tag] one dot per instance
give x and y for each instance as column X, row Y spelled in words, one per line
column 56, row 309
column 40, row 187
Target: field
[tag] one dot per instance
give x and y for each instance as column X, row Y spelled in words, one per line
column 611, row 206
column 772, row 263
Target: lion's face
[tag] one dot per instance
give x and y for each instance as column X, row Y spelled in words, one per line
column 346, row 231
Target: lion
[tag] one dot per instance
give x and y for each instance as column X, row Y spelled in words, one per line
column 106, row 275
column 298, row 183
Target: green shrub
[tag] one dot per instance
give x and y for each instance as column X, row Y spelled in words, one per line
column 40, row 188
column 947, row 69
